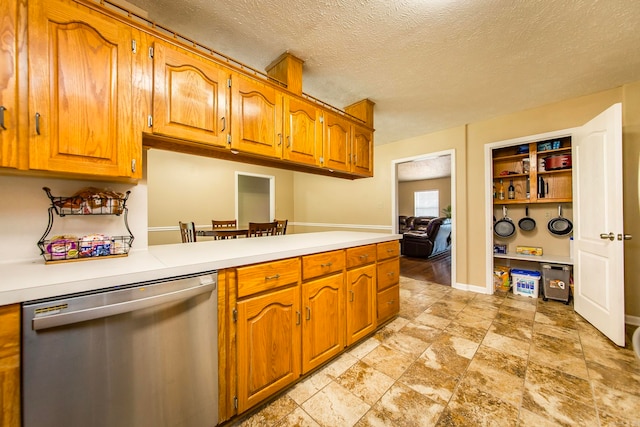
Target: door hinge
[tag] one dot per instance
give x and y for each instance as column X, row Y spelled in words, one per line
column 321, row 119
column 321, row 160
column 228, row 82
column 133, row 165
column 234, row 315
column 151, row 52
column 150, row 121
column 229, row 138
column 134, row 46
column 235, row 402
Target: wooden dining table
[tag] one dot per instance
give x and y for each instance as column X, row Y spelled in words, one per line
column 225, row 232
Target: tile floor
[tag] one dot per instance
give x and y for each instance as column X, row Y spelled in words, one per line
column 454, row 358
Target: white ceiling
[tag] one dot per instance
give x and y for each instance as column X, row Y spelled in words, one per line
column 427, row 64
column 428, row 168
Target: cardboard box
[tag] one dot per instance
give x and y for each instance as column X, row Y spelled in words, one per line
column 501, row 280
column 528, row 250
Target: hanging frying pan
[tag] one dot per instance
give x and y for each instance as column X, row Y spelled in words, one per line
column 504, row 227
column 560, row 226
column 527, row 223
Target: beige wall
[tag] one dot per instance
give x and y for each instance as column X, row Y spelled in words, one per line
column 406, row 190
column 183, row 187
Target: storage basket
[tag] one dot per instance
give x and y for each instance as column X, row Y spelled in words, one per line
column 556, row 282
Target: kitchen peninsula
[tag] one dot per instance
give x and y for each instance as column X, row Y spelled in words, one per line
column 343, row 284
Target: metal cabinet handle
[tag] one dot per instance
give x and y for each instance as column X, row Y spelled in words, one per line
column 37, row 123
column 289, row 141
column 276, row 276
column 353, row 296
column 279, row 139
column 391, row 273
column 298, row 317
column 328, row 264
column 365, row 256
column 308, row 313
column 391, row 302
column 2, row 110
column 224, row 123
column 609, row 236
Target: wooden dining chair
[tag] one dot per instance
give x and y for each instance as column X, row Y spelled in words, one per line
column 231, row 223
column 281, row 228
column 257, row 229
column 187, row 232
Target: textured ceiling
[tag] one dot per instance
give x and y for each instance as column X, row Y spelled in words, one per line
column 427, row 64
column 428, row 168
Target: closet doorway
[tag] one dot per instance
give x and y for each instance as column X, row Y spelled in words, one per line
column 255, row 198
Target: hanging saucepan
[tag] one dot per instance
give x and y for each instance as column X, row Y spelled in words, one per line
column 504, row 227
column 527, row 223
column 560, row 226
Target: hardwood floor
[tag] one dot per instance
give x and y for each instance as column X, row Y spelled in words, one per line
column 435, row 270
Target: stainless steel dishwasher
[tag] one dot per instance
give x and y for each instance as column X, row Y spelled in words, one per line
column 136, row 355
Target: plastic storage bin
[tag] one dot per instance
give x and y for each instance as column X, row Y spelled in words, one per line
column 525, row 282
column 556, row 280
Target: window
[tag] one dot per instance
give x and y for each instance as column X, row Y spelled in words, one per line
column 426, row 203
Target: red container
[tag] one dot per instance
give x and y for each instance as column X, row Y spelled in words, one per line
column 557, row 161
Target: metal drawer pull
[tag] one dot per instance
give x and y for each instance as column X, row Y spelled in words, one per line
column 37, row 123
column 298, row 316
column 308, row 313
column 391, row 302
column 391, row 250
column 353, row 296
column 2, row 110
column 391, row 273
column 328, row 264
column 365, row 256
column 224, row 124
column 276, row 276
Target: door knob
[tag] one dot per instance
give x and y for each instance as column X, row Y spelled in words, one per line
column 624, row 236
column 609, row 236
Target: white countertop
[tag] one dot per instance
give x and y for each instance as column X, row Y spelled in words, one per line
column 29, row 280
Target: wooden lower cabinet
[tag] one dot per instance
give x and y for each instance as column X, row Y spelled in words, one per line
column 360, row 308
column 268, row 340
column 323, row 320
column 10, row 365
column 388, row 303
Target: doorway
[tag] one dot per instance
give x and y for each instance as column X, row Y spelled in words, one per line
column 255, row 198
column 428, row 166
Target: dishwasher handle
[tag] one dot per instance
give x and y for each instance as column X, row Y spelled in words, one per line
column 62, row 319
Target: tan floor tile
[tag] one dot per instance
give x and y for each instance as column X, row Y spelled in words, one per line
column 432, row 383
column 625, row 380
column 365, row 382
column 556, row 353
column 407, row 343
column 518, row 330
column 388, row 361
column 567, row 334
column 444, row 310
column 365, row 347
column 271, row 413
column 450, row 354
column 402, row 406
column 480, row 311
column 531, row 419
column 520, row 302
column 472, row 407
column 306, row 388
column 424, row 333
column 621, row 404
column 515, row 314
column 564, row 320
column 472, row 333
column 506, row 344
column 432, row 320
column 297, row 418
column 345, row 408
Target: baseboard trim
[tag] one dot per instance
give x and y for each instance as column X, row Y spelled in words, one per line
column 632, row 320
column 470, row 288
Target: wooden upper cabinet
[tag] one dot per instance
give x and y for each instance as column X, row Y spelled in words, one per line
column 257, row 117
column 337, row 143
column 362, row 151
column 9, row 49
column 80, row 87
column 303, row 132
column 190, row 97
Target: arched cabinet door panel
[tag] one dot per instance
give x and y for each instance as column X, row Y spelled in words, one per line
column 80, row 87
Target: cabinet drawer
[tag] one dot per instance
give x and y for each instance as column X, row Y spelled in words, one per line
column 262, row 277
column 388, row 303
column 388, row 249
column 322, row 264
column 388, row 273
column 361, row 255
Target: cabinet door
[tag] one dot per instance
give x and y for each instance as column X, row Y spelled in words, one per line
column 337, row 143
column 361, row 294
column 257, row 117
column 362, row 151
column 10, row 365
column 268, row 340
column 9, row 47
column 189, row 97
column 323, row 324
column 80, row 102
column 303, row 132
column 388, row 303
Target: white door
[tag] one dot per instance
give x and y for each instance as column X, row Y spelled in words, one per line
column 597, row 201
